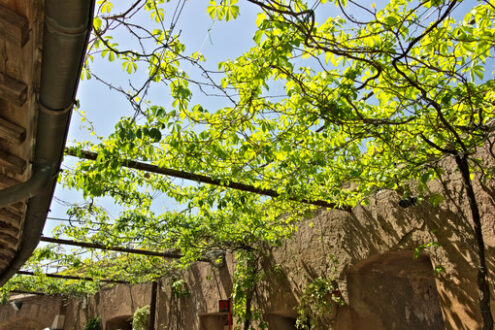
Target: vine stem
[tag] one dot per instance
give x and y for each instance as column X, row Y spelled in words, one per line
column 251, row 266
column 484, row 299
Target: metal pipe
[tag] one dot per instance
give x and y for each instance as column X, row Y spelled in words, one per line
column 38, row 293
column 67, row 27
column 27, row 189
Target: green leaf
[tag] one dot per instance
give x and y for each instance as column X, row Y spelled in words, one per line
column 212, row 9
column 105, row 6
column 425, row 177
column 436, row 199
column 392, row 20
column 155, row 134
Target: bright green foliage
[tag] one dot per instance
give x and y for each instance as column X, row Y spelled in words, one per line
column 227, row 9
column 246, row 276
column 367, row 103
column 93, row 324
column 318, row 300
column 140, row 318
column 179, row 288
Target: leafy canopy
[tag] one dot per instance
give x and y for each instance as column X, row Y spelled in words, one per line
column 330, row 109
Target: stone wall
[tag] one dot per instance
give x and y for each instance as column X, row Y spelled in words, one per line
column 374, row 248
column 30, row 312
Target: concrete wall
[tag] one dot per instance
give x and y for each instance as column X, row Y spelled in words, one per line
column 32, row 313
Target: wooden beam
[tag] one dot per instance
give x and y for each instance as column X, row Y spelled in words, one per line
column 7, row 181
column 13, row 27
column 12, row 163
column 7, row 248
column 11, row 132
column 71, row 277
column 10, row 223
column 4, row 263
column 17, row 207
column 115, row 248
column 12, row 90
column 7, row 240
column 6, row 254
column 14, row 218
column 8, row 226
column 84, row 154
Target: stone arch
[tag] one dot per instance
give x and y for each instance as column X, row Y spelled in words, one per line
column 392, row 291
column 119, row 323
column 282, row 320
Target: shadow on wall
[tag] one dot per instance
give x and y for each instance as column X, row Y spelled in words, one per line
column 214, row 321
column 197, row 306
column 119, row 323
column 383, row 226
column 281, row 321
column 392, row 291
column 275, row 295
column 454, row 232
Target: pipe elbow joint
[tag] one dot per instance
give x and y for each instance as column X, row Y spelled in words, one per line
column 39, row 180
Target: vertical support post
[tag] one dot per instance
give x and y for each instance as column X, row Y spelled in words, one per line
column 154, row 286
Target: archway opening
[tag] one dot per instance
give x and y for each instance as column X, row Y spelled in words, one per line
column 282, row 320
column 119, row 323
column 393, row 291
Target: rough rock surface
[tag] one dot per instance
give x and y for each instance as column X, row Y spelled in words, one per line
column 33, row 313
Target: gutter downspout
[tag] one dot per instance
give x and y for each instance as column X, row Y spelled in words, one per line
column 67, row 27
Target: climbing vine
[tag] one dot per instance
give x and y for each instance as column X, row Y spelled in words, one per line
column 246, row 277
column 179, row 288
column 140, row 318
column 317, row 303
column 93, row 324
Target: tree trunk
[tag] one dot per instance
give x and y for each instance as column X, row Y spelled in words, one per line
column 482, row 281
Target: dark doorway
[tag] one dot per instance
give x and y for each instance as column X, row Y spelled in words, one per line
column 119, row 323
column 393, row 291
column 214, row 321
column 282, row 321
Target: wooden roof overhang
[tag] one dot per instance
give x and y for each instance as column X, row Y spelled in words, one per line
column 42, row 47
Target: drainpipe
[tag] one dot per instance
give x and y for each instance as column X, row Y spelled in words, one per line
column 67, row 27
column 154, row 289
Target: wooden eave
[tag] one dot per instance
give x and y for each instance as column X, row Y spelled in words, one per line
column 21, row 27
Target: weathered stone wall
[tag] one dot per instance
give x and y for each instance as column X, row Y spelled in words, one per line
column 32, row 313
column 115, row 306
column 377, row 233
column 206, row 284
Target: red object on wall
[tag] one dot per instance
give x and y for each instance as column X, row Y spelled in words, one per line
column 225, row 306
